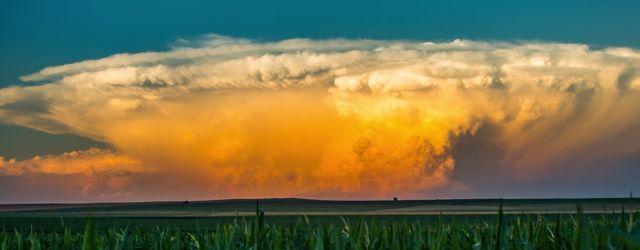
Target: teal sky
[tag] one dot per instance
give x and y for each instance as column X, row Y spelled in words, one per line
column 40, row 33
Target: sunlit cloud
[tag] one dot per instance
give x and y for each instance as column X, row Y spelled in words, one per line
column 93, row 172
column 228, row 117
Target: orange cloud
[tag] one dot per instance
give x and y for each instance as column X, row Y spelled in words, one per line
column 102, row 172
column 327, row 119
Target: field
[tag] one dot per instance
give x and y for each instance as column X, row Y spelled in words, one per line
column 315, row 224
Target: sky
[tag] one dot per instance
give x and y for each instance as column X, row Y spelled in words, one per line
column 160, row 100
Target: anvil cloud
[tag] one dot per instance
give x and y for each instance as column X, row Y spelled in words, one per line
column 226, row 117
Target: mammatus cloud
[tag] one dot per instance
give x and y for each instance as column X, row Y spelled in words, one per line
column 331, row 118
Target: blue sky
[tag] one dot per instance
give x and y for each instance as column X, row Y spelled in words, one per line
column 35, row 34
column 40, row 33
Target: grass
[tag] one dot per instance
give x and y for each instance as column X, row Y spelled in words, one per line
column 501, row 231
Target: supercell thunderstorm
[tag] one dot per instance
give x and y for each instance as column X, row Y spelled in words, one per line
column 226, row 117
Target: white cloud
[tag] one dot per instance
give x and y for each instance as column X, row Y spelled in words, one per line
column 291, row 117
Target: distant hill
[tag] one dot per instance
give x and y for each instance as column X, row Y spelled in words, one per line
column 296, row 206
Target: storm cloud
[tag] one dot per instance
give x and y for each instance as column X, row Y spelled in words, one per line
column 226, row 117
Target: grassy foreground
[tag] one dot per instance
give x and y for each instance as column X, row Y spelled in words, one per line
column 577, row 231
